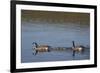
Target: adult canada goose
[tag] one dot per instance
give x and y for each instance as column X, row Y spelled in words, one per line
column 77, row 48
column 40, row 48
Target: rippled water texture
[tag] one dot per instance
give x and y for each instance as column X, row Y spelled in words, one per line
column 57, row 29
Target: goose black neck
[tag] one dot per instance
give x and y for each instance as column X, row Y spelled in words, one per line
column 73, row 44
column 36, row 45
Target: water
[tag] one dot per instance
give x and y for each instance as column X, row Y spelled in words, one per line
column 56, row 34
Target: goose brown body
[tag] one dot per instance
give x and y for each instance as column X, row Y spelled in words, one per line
column 78, row 49
column 40, row 48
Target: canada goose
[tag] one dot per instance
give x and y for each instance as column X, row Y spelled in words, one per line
column 40, row 48
column 77, row 48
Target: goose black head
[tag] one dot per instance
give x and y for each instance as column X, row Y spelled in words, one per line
column 34, row 43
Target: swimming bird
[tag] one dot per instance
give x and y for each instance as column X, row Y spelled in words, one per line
column 40, row 48
column 77, row 48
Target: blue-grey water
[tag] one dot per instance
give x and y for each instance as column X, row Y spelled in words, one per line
column 55, row 34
